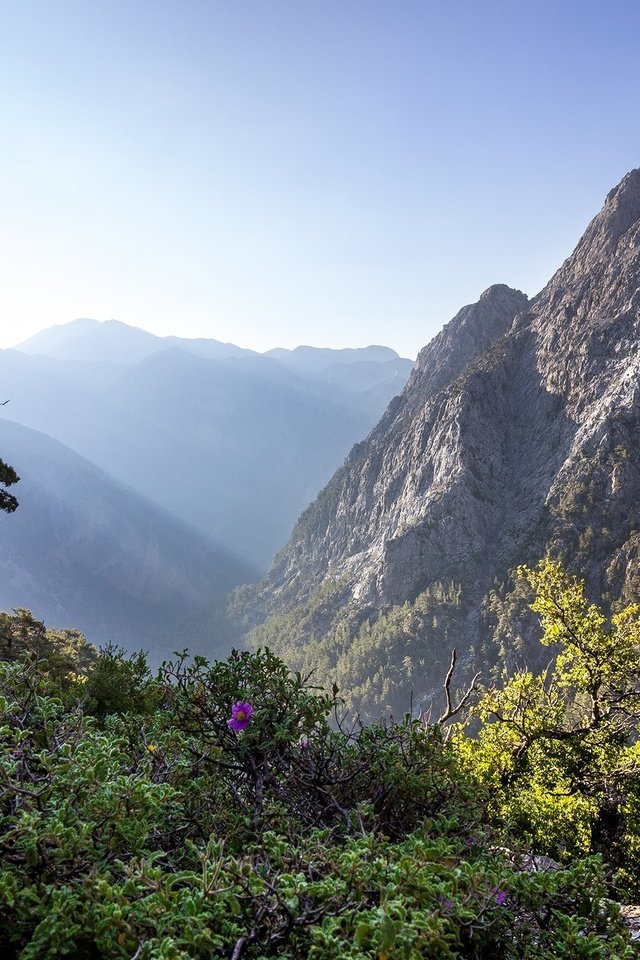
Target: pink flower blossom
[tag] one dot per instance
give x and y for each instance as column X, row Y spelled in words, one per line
column 241, row 713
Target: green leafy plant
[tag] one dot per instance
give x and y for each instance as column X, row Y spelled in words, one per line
column 225, row 810
column 559, row 749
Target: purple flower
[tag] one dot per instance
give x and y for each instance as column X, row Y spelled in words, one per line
column 445, row 903
column 500, row 895
column 241, row 713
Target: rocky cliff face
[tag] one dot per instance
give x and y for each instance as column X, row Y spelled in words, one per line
column 515, row 435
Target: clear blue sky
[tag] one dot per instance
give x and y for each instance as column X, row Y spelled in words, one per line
column 275, row 172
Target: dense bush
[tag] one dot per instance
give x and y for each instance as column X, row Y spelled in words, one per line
column 224, row 810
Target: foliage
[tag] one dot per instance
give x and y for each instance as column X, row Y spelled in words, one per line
column 64, row 655
column 163, row 832
column 558, row 750
column 8, row 477
column 290, row 766
column 129, row 802
column 119, row 682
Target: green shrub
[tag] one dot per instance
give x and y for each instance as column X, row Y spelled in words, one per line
column 558, row 751
column 229, row 813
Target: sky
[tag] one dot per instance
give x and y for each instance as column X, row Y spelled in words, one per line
column 278, row 172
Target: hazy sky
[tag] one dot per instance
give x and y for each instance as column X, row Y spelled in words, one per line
column 276, row 172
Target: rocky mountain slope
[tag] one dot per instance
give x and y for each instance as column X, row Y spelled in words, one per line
column 516, row 434
column 84, row 551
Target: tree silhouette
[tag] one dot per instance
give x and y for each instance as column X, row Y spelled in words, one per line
column 8, row 476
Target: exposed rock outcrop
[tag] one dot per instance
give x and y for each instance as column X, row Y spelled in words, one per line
column 516, row 434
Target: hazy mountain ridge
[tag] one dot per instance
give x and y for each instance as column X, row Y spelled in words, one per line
column 236, row 445
column 515, row 434
column 113, row 341
column 85, row 551
column 87, row 339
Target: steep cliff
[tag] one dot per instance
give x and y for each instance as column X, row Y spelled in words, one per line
column 515, row 435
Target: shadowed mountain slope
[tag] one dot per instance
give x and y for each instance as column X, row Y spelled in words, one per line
column 83, row 550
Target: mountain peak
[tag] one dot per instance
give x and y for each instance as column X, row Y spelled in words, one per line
column 619, row 215
column 627, row 192
column 472, row 331
column 621, row 208
column 499, row 291
column 602, row 270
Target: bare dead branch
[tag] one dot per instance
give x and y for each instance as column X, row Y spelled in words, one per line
column 449, row 710
column 239, row 947
column 447, row 687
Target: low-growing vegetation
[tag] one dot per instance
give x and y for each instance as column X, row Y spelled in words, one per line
column 232, row 810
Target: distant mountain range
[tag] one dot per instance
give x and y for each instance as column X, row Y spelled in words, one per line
column 115, row 342
column 516, row 435
column 172, row 455
column 233, row 442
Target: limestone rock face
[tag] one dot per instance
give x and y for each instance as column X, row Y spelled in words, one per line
column 516, row 433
